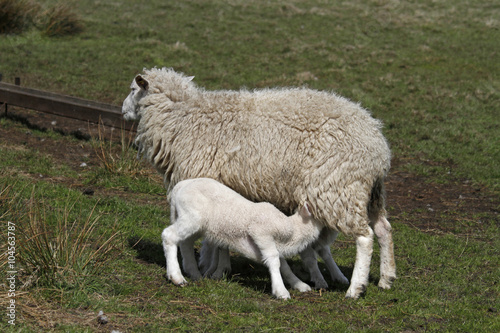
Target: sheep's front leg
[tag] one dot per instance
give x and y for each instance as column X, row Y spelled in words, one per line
column 291, row 278
column 359, row 280
column 170, row 240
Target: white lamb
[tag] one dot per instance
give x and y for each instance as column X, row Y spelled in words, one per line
column 283, row 146
column 204, row 207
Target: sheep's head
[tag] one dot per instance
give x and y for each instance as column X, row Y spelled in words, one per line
column 130, row 108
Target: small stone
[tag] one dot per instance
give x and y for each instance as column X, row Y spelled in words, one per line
column 101, row 318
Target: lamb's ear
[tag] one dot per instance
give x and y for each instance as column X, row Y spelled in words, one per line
column 305, row 210
column 190, row 78
column 141, row 82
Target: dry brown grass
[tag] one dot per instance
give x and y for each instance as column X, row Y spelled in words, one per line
column 61, row 21
column 17, row 16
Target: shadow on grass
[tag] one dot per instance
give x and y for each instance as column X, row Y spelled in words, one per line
column 244, row 271
column 35, row 127
column 151, row 252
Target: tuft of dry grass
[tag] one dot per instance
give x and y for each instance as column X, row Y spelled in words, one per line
column 60, row 21
column 117, row 159
column 16, row 16
column 55, row 247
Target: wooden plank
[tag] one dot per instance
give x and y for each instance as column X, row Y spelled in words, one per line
column 62, row 105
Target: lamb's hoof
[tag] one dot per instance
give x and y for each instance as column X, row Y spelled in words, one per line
column 302, row 287
column 181, row 282
column 319, row 283
column 281, row 294
column 342, row 280
column 287, row 296
column 196, row 277
column 219, row 275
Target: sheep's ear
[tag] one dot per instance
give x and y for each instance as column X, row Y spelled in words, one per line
column 141, row 82
column 190, row 78
column 305, row 210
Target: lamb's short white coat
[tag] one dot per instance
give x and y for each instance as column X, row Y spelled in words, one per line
column 204, row 207
column 284, row 146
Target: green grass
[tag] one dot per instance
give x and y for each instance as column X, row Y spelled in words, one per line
column 428, row 69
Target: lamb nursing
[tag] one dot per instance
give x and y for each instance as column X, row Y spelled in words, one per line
column 283, row 146
column 204, row 207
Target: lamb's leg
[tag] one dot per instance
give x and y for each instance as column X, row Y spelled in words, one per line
column 206, row 256
column 310, row 261
column 327, row 238
column 382, row 229
column 223, row 264
column 170, row 240
column 291, row 278
column 359, row 280
column 271, row 258
column 188, row 259
column 331, row 265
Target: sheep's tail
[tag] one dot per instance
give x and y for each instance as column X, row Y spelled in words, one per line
column 376, row 206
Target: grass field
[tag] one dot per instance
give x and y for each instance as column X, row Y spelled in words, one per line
column 428, row 69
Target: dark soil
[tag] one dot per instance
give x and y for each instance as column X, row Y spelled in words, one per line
column 459, row 207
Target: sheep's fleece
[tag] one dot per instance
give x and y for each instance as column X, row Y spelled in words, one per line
column 285, row 146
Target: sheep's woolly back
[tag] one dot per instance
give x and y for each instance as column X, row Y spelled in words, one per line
column 284, row 146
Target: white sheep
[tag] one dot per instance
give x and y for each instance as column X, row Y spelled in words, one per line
column 204, row 207
column 283, row 146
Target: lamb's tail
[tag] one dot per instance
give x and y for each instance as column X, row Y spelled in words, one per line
column 376, row 206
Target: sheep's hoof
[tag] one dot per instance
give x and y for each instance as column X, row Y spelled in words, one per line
column 356, row 292
column 386, row 282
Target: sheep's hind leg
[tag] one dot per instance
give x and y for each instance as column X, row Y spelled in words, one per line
column 170, row 240
column 382, row 229
column 188, row 260
column 359, row 280
column 291, row 278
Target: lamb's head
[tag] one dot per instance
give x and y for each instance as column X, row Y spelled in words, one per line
column 130, row 107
